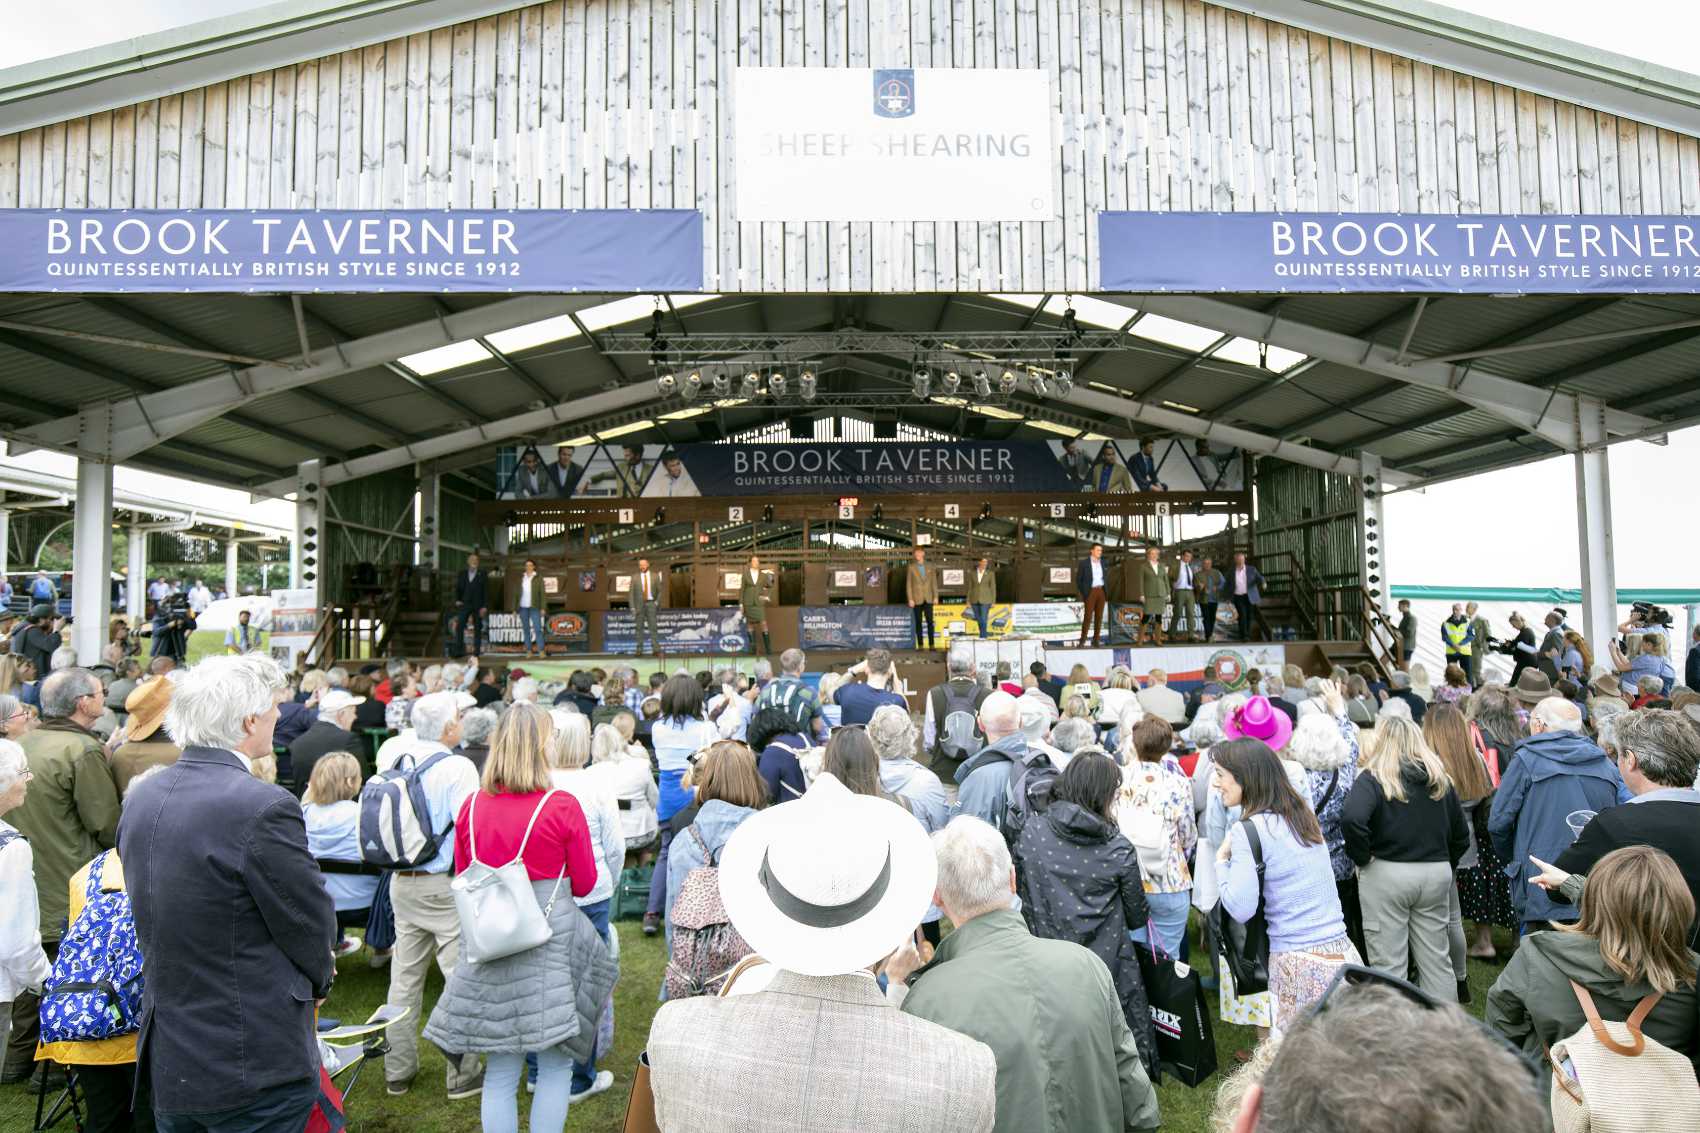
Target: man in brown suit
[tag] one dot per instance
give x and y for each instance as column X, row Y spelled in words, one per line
column 921, row 585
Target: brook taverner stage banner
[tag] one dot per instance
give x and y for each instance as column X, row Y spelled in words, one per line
column 552, row 250
column 844, row 468
column 1330, row 252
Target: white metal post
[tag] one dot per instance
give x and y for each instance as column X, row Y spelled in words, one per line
column 136, row 601
column 230, row 555
column 91, row 546
column 1372, row 531
column 1593, row 526
column 430, row 529
column 306, row 557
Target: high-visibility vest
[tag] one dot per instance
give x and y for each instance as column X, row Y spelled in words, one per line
column 1455, row 635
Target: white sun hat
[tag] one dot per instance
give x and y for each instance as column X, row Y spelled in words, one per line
column 829, row 883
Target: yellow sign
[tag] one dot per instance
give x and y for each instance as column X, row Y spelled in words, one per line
column 955, row 621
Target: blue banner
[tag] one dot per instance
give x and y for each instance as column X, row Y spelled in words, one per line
column 847, row 468
column 347, row 250
column 720, row 630
column 1332, row 252
column 856, row 627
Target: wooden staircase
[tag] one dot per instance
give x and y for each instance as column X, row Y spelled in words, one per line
column 1348, row 624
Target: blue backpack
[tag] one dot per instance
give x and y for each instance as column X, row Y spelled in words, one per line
column 95, row 988
column 395, row 817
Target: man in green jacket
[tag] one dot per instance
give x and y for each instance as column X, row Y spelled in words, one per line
column 1047, row 1008
column 982, row 594
column 69, row 815
column 1153, row 595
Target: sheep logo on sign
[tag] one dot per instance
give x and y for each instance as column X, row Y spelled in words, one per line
column 894, row 93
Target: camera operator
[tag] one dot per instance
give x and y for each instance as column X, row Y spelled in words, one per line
column 38, row 636
column 172, row 625
column 1521, row 649
column 1646, row 618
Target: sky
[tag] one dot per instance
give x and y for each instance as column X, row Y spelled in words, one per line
column 1510, row 528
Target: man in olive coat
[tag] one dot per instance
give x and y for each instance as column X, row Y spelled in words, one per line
column 752, row 596
column 982, row 594
column 1153, row 595
column 1048, row 1008
column 921, row 587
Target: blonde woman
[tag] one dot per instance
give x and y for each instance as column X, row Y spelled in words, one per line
column 313, row 682
column 519, row 813
column 1631, row 942
column 570, row 756
column 1405, row 832
column 1120, row 692
column 829, row 706
column 332, row 815
column 626, row 778
column 1081, row 684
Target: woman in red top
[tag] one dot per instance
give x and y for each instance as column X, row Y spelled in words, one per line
column 528, row 1003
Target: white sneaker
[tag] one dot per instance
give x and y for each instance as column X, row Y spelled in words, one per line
column 604, row 1079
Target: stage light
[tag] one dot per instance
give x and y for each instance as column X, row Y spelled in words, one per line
column 660, row 516
column 806, row 385
column 666, row 385
column 1063, row 383
column 767, row 514
column 722, row 383
column 985, row 511
column 952, row 382
column 1006, row 382
column 751, row 385
column 1037, row 383
column 982, row 385
column 692, row 385
column 776, row 384
column 879, row 512
column 923, row 385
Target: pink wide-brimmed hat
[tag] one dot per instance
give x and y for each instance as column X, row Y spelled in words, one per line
column 1257, row 719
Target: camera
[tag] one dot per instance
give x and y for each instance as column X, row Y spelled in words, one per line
column 1647, row 614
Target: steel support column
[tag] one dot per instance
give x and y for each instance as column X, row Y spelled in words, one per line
column 306, row 556
column 5, row 535
column 430, row 506
column 1593, row 526
column 1372, row 530
column 136, row 599
column 230, row 556
column 91, row 545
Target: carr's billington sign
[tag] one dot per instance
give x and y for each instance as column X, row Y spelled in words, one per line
column 922, row 143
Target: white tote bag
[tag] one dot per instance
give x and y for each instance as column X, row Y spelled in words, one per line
column 499, row 914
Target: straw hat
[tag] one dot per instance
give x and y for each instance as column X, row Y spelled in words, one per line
column 146, row 705
column 829, row 883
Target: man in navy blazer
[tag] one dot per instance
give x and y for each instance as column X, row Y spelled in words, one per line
column 1144, row 468
column 233, row 921
column 471, row 603
column 1244, row 585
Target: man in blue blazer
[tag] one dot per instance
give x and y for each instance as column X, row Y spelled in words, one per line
column 1245, row 587
column 1144, row 468
column 232, row 917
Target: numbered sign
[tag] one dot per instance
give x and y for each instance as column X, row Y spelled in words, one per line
column 628, row 515
column 1059, row 511
column 846, row 511
column 1162, row 507
column 953, row 511
column 735, row 514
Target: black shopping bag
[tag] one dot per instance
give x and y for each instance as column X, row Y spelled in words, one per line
column 1180, row 1016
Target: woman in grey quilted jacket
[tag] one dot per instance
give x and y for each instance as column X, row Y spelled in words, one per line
column 546, row 1000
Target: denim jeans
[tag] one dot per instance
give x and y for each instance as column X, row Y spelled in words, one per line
column 531, row 628
column 499, row 1107
column 1169, row 913
column 982, row 617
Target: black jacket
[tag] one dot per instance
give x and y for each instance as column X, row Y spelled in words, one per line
column 1420, row 829
column 471, row 591
column 1669, row 824
column 320, row 740
column 1691, row 668
column 1078, row 878
column 237, row 930
column 1083, row 577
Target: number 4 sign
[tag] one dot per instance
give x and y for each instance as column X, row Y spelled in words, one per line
column 953, row 511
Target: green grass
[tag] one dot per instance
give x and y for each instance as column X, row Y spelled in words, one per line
column 359, row 990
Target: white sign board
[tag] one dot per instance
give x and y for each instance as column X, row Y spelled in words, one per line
column 731, row 581
column 924, row 143
column 1061, row 576
column 735, row 515
column 951, row 577
column 844, row 579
